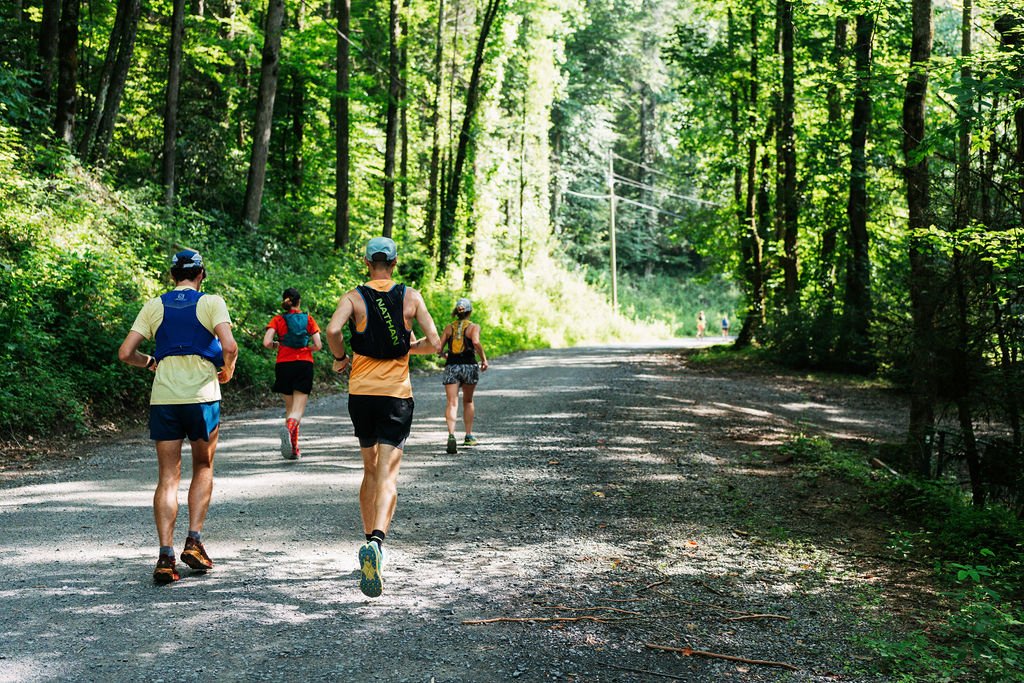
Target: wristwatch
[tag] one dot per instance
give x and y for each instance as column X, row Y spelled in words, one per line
column 343, row 357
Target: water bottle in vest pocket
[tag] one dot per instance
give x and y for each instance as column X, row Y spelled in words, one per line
column 297, row 336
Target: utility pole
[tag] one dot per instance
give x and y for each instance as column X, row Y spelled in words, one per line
column 611, row 231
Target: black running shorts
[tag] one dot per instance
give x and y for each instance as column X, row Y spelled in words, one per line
column 380, row 419
column 292, row 376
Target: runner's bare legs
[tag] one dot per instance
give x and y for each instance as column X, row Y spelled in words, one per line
column 165, row 498
column 295, row 405
column 378, row 493
column 451, row 409
column 468, row 407
column 200, row 490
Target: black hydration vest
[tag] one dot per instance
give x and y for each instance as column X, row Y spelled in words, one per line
column 385, row 335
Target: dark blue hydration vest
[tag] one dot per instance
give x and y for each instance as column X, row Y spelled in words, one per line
column 385, row 335
column 181, row 333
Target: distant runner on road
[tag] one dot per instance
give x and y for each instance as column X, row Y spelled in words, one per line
column 195, row 353
column 461, row 371
column 380, row 316
column 298, row 336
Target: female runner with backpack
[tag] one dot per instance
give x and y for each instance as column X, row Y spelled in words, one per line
column 461, row 370
column 293, row 373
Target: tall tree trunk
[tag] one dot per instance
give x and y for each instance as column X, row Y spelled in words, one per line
column 734, row 119
column 171, row 107
column 298, row 111
column 435, row 146
column 648, row 146
column 923, row 297
column 751, row 243
column 391, row 124
column 469, row 271
column 99, row 103
column 989, row 159
column 766, row 221
column 264, row 113
column 446, row 230
column 341, row 139
column 787, row 149
column 49, row 41
column 857, row 303
column 403, row 124
column 105, row 134
column 451, row 200
column 1008, row 370
column 963, row 379
column 521, row 248
column 67, row 72
column 830, row 233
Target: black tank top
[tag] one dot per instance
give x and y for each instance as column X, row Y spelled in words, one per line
column 467, row 355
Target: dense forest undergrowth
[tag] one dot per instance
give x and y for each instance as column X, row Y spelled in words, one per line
column 78, row 259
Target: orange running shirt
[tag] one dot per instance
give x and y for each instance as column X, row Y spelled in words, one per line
column 379, row 376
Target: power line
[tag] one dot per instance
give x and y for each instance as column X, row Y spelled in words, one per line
column 586, row 196
column 654, row 188
column 644, row 186
column 605, row 197
column 652, row 208
column 643, row 166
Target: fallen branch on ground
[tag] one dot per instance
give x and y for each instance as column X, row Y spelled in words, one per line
column 703, row 653
column 879, row 465
column 744, row 617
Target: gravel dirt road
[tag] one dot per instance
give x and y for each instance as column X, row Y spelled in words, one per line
column 620, row 497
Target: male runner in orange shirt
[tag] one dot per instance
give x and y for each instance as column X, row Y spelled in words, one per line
column 380, row 315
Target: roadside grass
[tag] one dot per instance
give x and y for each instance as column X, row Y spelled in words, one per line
column 977, row 631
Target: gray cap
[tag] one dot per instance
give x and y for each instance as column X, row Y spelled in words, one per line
column 463, row 305
column 381, row 245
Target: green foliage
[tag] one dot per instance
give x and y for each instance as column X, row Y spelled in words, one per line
column 946, row 523
column 66, row 281
column 817, row 456
column 978, row 633
column 76, row 263
column 980, row 638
